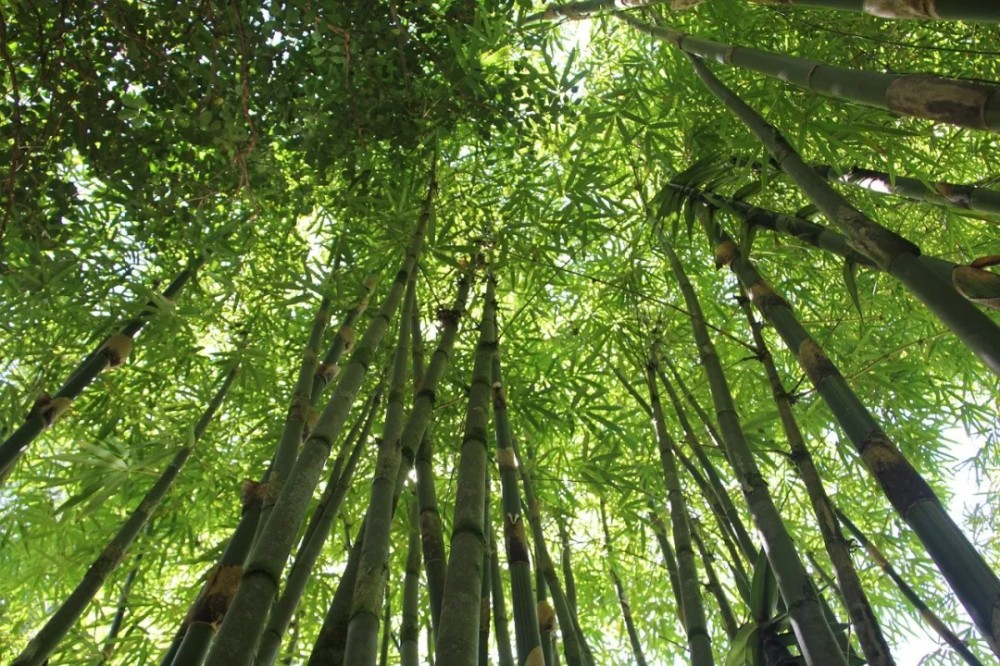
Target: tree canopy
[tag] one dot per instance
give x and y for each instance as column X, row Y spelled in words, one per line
column 238, row 237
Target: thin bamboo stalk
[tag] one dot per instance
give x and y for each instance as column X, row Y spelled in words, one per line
column 526, row 621
column 409, row 631
column 891, row 252
column 485, row 585
column 974, row 583
column 566, row 564
column 707, row 561
column 669, row 559
column 928, row 615
column 959, row 102
column 108, row 648
column 47, row 409
column 633, row 636
column 328, row 650
column 815, row 638
column 236, row 641
column 866, row 626
column 62, row 620
column 457, row 640
column 373, row 570
column 695, row 625
column 329, row 368
column 500, row 629
column 383, row 659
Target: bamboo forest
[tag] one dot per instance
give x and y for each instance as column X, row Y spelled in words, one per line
column 469, row 332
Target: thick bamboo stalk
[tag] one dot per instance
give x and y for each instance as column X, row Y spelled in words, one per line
column 317, row 532
column 928, row 615
column 815, row 638
column 573, row 643
column 707, row 561
column 974, row 583
column 574, row 11
column 866, row 626
column 62, row 620
column 633, row 636
column 954, row 10
column 457, row 640
column 526, row 631
column 409, row 630
column 892, row 253
column 500, row 629
column 328, row 650
column 373, row 570
column 695, row 625
column 236, row 641
column 47, row 409
column 959, row 102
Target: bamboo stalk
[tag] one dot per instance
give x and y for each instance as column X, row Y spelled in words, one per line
column 626, row 609
column 669, row 559
column 329, row 368
column 976, row 586
column 959, row 102
column 486, row 585
column 237, row 639
column 47, row 409
column 707, row 561
column 409, row 631
column 457, row 640
column 328, row 650
column 695, row 625
column 62, row 620
column 928, row 616
column 815, row 638
column 500, row 629
column 526, row 621
column 108, row 648
column 892, row 253
column 866, row 626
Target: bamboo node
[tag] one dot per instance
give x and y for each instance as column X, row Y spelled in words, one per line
column 936, row 98
column 506, row 459
column 499, row 396
column 347, row 333
column 815, row 362
column 546, row 617
column 116, row 349
column 449, row 316
column 535, row 657
column 902, row 9
column 979, row 286
column 725, row 253
column 50, row 409
column 765, row 298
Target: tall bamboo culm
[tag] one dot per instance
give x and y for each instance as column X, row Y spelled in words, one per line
column 236, row 642
column 626, row 609
column 815, row 638
column 62, row 620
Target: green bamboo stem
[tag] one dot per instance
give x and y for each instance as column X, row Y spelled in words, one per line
column 47, row 409
column 237, row 639
column 959, row 102
column 892, row 253
column 329, row 368
column 486, row 585
column 928, row 616
column 500, row 629
column 708, row 562
column 373, row 570
column 948, row 195
column 108, row 648
column 457, row 640
column 566, row 564
column 383, row 658
column 62, row 620
column 409, row 631
column 815, row 638
column 575, row 11
column 669, row 559
column 866, row 626
column 695, row 625
column 526, row 631
column 975, row 584
column 317, row 532
column 954, row 10
column 626, row 609
column 573, row 648
column 328, row 650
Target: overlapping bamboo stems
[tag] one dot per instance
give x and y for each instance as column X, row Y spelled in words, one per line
column 695, row 625
column 633, row 636
column 566, row 563
column 526, row 630
column 708, row 563
column 328, row 650
column 891, row 252
column 237, row 639
column 431, row 535
column 669, row 559
column 373, row 570
column 317, row 531
column 928, row 615
column 573, row 643
column 485, row 584
column 500, row 629
column 409, row 630
column 62, row 620
column 108, row 648
column 457, row 640
column 949, row 195
column 866, row 626
column 959, row 102
column 585, row 9
column 210, row 606
column 383, row 659
column 47, row 409
column 975, row 584
column 546, row 617
column 815, row 638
